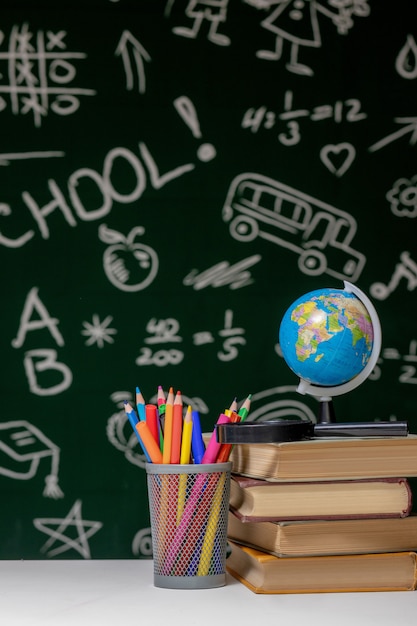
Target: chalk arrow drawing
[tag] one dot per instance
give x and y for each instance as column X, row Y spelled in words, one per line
column 410, row 128
column 129, row 46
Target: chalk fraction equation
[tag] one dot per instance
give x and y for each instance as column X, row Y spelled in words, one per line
column 166, row 332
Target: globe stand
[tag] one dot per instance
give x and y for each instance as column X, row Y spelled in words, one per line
column 326, row 414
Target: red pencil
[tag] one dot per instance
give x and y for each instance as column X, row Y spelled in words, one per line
column 176, row 428
column 152, row 420
column 168, row 427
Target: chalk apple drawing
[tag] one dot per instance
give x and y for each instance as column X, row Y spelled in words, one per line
column 128, row 264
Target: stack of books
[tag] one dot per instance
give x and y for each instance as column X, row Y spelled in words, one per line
column 324, row 515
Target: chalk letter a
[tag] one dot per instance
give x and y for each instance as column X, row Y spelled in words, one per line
column 46, row 321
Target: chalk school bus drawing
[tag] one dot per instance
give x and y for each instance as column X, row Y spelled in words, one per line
column 258, row 206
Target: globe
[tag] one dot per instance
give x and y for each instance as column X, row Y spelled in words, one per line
column 327, row 338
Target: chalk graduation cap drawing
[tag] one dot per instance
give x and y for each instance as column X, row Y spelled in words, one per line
column 22, row 446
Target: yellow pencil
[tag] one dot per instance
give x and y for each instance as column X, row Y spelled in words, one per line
column 211, row 529
column 187, row 430
column 184, row 459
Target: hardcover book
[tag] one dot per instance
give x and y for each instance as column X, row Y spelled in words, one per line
column 328, row 458
column 259, row 500
column 326, row 537
column 265, row 573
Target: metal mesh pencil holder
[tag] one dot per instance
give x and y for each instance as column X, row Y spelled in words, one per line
column 188, row 507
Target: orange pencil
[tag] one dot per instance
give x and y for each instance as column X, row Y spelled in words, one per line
column 224, row 452
column 166, row 454
column 176, row 428
column 149, row 442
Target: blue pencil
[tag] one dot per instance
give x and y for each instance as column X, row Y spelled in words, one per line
column 197, row 444
column 133, row 419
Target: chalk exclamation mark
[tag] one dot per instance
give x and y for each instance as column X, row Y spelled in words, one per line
column 206, row 152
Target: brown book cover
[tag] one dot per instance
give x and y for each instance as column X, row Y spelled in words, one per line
column 328, row 458
column 266, row 573
column 261, row 500
column 326, row 537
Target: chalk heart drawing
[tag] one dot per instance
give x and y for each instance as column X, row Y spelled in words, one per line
column 338, row 158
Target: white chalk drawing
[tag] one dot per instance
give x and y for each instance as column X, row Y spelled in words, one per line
column 186, row 109
column 106, row 187
column 214, row 11
column 38, row 361
column 410, row 128
column 406, row 268
column 133, row 55
column 223, row 274
column 407, row 362
column 406, row 61
column 120, row 434
column 142, row 543
column 161, row 331
column 346, row 111
column 403, row 197
column 6, row 157
column 296, row 21
column 165, row 331
column 280, row 402
column 99, row 332
column 129, row 264
column 56, row 527
column 338, row 158
column 22, row 448
column 37, row 72
column 258, row 206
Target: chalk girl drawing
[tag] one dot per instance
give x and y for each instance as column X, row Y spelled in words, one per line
column 214, row 11
column 128, row 264
column 22, row 446
column 258, row 206
column 296, row 21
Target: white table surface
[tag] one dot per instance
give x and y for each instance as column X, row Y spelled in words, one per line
column 121, row 593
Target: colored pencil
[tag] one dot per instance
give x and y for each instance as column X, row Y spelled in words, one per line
column 151, row 446
column 226, row 448
column 176, row 428
column 213, row 446
column 197, row 443
column 133, row 419
column 187, row 430
column 244, row 409
column 169, row 407
column 140, row 404
column 161, row 401
column 151, row 413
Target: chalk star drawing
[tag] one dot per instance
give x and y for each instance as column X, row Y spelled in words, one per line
column 55, row 527
column 97, row 332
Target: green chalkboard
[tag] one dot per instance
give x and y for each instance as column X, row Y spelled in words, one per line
column 133, row 136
